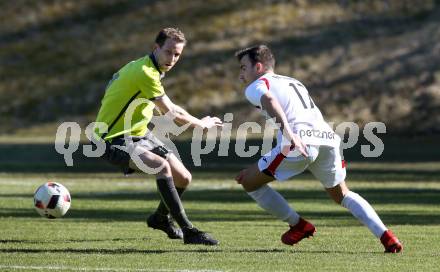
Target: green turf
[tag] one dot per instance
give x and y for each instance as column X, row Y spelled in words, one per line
column 105, row 228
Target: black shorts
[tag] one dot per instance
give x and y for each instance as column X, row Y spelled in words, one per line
column 120, row 158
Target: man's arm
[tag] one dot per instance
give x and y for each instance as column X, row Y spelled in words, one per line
column 182, row 117
column 273, row 108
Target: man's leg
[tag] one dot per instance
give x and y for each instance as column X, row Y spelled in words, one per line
column 182, row 178
column 165, row 184
column 161, row 219
column 255, row 184
column 170, row 197
column 363, row 211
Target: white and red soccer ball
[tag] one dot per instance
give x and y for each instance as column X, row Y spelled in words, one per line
column 52, row 200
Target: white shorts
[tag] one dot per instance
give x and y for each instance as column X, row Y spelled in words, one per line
column 324, row 162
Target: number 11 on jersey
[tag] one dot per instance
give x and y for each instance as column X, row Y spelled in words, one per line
column 312, row 105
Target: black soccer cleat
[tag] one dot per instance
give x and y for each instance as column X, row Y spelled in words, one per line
column 165, row 224
column 195, row 236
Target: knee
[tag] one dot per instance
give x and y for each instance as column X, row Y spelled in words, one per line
column 242, row 179
column 338, row 193
column 248, row 185
column 165, row 169
column 186, row 179
column 338, row 198
column 250, row 181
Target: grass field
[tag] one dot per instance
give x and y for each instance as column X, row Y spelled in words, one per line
column 105, row 229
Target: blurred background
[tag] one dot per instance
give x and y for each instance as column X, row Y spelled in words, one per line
column 362, row 61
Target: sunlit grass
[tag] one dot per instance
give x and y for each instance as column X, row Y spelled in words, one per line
column 105, row 228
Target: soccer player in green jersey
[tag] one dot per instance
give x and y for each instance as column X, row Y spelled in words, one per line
column 141, row 79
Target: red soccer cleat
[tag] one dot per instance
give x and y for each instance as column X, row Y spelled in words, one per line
column 301, row 230
column 390, row 242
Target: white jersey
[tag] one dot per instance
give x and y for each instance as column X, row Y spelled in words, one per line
column 303, row 115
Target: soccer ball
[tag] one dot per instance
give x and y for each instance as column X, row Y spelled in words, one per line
column 52, row 200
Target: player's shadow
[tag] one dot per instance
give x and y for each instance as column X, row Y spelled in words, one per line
column 52, row 241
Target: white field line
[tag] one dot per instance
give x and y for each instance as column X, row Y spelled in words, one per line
column 30, row 267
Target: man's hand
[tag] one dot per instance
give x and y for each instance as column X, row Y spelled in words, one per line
column 273, row 108
column 296, row 143
column 209, row 122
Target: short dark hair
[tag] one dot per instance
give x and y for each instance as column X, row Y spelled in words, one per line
column 170, row 33
column 258, row 53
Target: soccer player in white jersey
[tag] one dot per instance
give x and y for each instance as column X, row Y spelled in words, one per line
column 305, row 141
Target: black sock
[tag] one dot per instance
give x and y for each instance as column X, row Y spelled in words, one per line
column 162, row 208
column 171, row 199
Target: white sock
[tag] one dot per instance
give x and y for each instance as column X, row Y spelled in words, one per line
column 363, row 211
column 270, row 200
